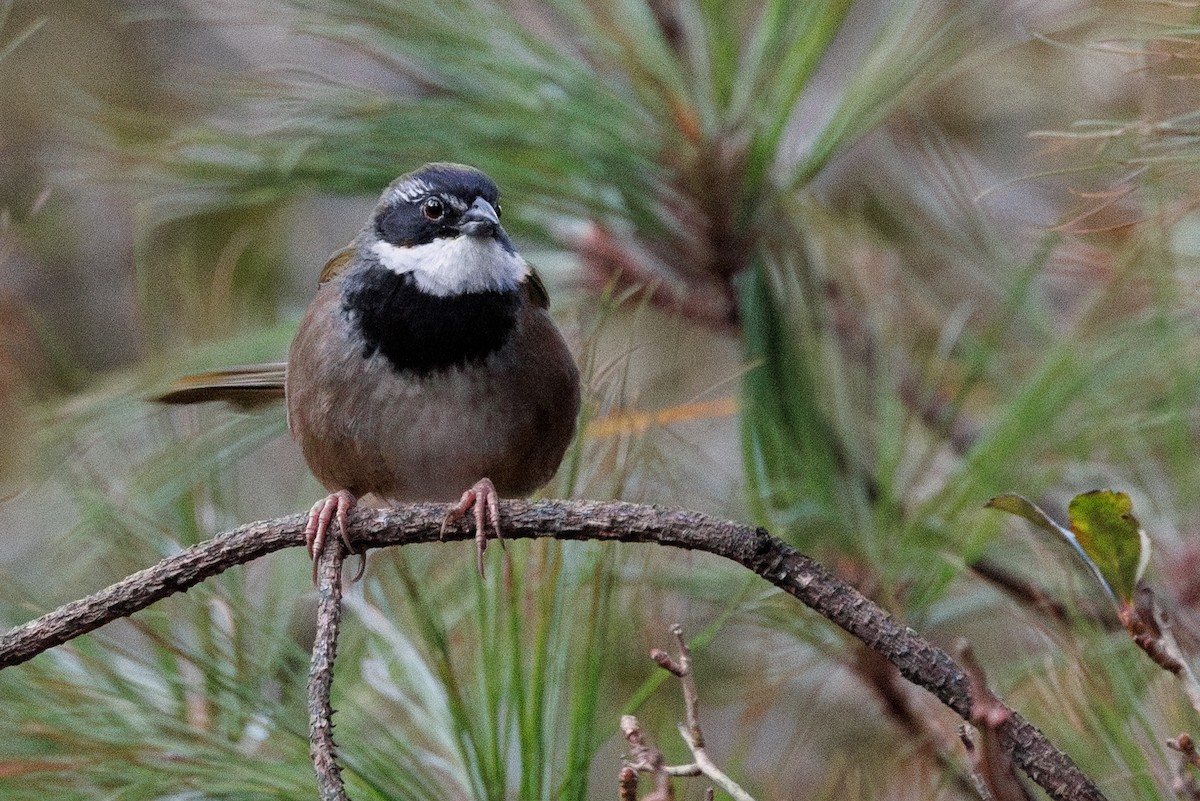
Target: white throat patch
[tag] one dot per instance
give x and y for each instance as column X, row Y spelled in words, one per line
column 455, row 266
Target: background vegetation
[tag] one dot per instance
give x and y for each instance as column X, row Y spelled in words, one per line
column 844, row 269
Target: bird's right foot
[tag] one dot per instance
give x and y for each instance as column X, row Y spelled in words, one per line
column 323, row 512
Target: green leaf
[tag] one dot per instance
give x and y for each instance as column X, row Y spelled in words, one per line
column 1112, row 538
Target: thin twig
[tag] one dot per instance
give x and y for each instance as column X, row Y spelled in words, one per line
column 1151, row 631
column 645, row 758
column 627, row 783
column 1184, row 783
column 991, row 767
column 1037, row 598
column 918, row 660
column 321, row 748
column 1185, row 745
column 710, row 769
column 968, row 740
column 691, row 699
column 691, row 732
column 690, row 770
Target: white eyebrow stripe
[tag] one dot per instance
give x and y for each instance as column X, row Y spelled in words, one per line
column 412, row 189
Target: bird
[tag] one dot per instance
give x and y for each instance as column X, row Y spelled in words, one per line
column 427, row 366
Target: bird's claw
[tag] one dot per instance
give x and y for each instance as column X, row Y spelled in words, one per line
column 322, row 513
column 482, row 496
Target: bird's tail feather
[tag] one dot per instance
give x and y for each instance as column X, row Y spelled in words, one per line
column 247, row 386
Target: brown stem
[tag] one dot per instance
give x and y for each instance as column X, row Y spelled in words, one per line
column 627, row 783
column 992, row 768
column 1036, row 597
column 1184, row 784
column 321, row 748
column 918, row 660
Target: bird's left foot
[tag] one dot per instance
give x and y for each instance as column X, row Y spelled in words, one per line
column 483, row 497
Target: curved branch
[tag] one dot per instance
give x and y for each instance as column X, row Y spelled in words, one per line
column 918, row 660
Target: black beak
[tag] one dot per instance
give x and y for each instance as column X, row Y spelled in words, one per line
column 480, row 220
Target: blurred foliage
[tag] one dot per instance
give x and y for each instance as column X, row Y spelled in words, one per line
column 825, row 216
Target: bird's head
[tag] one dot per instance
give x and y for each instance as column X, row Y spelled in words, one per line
column 441, row 225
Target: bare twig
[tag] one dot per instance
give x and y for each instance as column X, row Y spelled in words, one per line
column 691, row 699
column 709, row 768
column 690, row 770
column 1041, row 601
column 991, row 767
column 664, row 661
column 918, row 660
column 1151, row 631
column 967, row 738
column 627, row 783
column 691, row 733
column 321, row 747
column 1185, row 745
column 645, row 758
column 1184, row 785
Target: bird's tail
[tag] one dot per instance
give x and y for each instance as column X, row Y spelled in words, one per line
column 247, row 386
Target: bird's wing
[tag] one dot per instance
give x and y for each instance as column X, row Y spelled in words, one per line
column 536, row 289
column 246, row 386
column 336, row 263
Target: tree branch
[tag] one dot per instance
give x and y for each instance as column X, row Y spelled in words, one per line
column 321, row 748
column 918, row 660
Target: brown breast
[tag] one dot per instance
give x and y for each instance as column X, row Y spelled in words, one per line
column 366, row 427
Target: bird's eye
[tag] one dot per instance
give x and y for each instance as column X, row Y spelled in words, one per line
column 433, row 209
column 499, row 211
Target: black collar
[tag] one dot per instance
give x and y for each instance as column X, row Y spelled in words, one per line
column 423, row 333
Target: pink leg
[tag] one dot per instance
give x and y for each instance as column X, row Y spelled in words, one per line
column 483, row 497
column 319, row 518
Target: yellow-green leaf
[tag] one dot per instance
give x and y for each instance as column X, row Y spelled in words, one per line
column 1023, row 507
column 1111, row 537
column 1103, row 531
